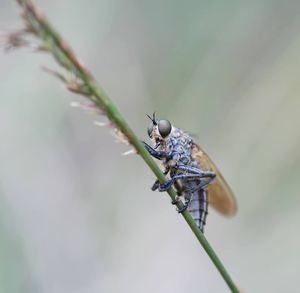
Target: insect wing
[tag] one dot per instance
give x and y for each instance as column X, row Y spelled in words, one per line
column 220, row 195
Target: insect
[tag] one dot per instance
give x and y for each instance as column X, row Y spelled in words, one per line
column 193, row 174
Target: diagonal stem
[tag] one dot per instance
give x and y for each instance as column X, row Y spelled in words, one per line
column 37, row 24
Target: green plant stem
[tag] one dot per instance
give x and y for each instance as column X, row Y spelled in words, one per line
column 38, row 25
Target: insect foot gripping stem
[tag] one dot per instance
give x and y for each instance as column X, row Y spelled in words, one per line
column 176, row 200
column 186, row 204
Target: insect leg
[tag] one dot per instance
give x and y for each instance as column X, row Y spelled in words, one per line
column 156, row 183
column 186, row 204
column 154, row 153
column 202, row 185
column 179, row 193
column 190, row 169
column 194, row 175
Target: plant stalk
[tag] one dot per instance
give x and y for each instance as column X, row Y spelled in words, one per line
column 51, row 42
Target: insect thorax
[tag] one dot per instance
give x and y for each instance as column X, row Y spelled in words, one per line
column 179, row 148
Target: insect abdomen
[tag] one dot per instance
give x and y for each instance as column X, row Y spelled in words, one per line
column 198, row 207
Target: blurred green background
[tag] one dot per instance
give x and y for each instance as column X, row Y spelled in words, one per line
column 77, row 216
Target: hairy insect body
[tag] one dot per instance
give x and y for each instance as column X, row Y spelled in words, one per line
column 191, row 171
column 178, row 146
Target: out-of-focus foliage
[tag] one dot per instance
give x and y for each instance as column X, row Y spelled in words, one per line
column 227, row 71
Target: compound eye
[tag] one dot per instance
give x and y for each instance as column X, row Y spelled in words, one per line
column 164, row 127
column 150, row 129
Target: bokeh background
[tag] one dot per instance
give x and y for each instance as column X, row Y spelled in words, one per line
column 77, row 216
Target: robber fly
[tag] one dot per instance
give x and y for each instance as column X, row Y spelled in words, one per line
column 193, row 174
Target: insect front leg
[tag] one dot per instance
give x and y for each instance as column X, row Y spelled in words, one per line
column 190, row 173
column 154, row 153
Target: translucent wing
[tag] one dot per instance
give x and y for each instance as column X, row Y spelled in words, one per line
column 219, row 193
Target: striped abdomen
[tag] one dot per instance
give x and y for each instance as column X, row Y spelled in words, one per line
column 198, row 207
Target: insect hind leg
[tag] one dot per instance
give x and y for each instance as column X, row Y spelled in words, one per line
column 193, row 174
column 202, row 185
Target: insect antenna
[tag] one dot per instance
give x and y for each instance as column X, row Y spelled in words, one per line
column 152, row 118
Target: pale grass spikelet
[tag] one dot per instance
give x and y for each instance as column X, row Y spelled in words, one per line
column 121, row 138
column 101, row 124
column 118, row 135
column 86, row 106
column 17, row 39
